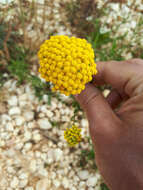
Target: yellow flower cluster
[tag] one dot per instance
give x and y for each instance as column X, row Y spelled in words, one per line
column 67, row 62
column 73, row 135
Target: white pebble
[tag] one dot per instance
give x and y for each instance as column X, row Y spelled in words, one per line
column 41, row 115
column 84, row 123
column 106, row 92
column 33, row 165
column 42, row 172
column 49, row 113
column 23, row 183
column 65, row 182
column 10, row 170
column 14, row 182
column 28, row 115
column 43, row 184
column 44, row 123
column 23, row 97
column 92, row 181
column 58, row 154
column 14, row 111
column 56, row 183
column 45, row 98
column 19, row 146
column 27, row 146
column 90, row 188
column 9, row 127
column 19, row 120
column 12, row 101
column 53, row 105
column 73, row 188
column 36, row 137
column 6, row 117
column 23, row 103
column 27, row 135
column 23, row 176
column 84, row 174
column 29, row 188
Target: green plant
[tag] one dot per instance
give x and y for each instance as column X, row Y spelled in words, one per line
column 75, row 105
column 88, row 155
column 19, row 69
column 103, row 186
column 40, row 87
column 106, row 47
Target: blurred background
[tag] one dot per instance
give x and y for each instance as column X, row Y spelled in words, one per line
column 33, row 152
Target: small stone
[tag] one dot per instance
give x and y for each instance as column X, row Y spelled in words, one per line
column 53, row 105
column 6, row 117
column 33, row 166
column 23, row 183
column 31, row 97
column 9, row 127
column 14, row 111
column 53, row 175
column 43, row 184
column 84, row 123
column 49, row 160
column 106, row 92
column 38, row 154
column 92, row 181
column 44, row 156
column 28, row 115
column 19, row 146
column 19, row 120
column 76, row 178
column 27, row 135
column 27, row 146
column 3, row 182
column 45, row 98
column 90, row 188
column 73, row 188
column 13, row 101
column 41, row 115
column 58, row 154
column 10, row 152
column 56, row 183
column 44, row 123
column 49, row 113
column 65, row 182
column 42, row 172
column 23, row 176
column 36, row 137
column 10, row 170
column 23, row 97
column 60, row 105
column 82, row 184
column 29, row 188
column 14, row 182
column 84, row 174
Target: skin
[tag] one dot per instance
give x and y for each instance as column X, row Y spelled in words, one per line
column 117, row 134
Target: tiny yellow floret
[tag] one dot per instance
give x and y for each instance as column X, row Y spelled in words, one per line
column 65, row 62
column 73, row 135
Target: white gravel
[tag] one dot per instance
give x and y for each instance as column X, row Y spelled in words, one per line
column 29, row 157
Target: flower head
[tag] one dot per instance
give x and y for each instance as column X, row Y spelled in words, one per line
column 67, row 62
column 73, row 135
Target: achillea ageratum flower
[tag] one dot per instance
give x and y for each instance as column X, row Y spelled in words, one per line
column 73, row 135
column 67, row 62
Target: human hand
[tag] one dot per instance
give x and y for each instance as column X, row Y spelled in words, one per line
column 117, row 135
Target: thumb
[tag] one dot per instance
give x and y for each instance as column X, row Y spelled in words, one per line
column 101, row 117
